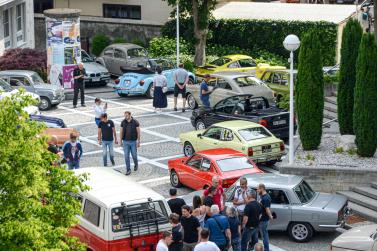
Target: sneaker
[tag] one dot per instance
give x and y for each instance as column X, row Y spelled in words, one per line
column 83, row 105
column 105, row 165
column 75, row 106
column 135, row 168
column 183, row 110
column 128, row 172
column 175, row 109
column 113, row 162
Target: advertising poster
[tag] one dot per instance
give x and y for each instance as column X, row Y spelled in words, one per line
column 68, row 80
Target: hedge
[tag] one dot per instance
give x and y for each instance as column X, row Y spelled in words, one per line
column 259, row 35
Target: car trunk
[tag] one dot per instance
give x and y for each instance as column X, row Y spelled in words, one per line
column 328, row 201
column 266, row 146
column 272, row 119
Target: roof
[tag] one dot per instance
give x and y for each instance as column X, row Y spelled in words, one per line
column 334, row 13
column 23, row 72
column 237, row 56
column 111, row 187
column 220, row 153
column 271, row 180
column 125, row 46
column 237, row 124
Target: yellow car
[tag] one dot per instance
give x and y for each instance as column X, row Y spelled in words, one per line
column 236, row 63
column 250, row 138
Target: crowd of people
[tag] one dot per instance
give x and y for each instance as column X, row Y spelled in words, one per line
column 210, row 225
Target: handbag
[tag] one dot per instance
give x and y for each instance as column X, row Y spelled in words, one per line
column 227, row 244
column 165, row 89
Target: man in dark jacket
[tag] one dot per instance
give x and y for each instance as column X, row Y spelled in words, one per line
column 78, row 76
column 72, row 152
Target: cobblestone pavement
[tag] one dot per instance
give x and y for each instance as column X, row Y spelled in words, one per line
column 159, row 143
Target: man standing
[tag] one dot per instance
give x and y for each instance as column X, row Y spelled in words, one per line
column 218, row 226
column 205, row 244
column 181, row 79
column 250, row 221
column 78, row 76
column 72, row 152
column 164, row 243
column 175, row 203
column 208, row 201
column 265, row 202
column 219, row 197
column 240, row 197
column 177, row 244
column 130, row 139
column 106, row 136
column 205, row 92
column 191, row 229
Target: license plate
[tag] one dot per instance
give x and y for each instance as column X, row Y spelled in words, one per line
column 266, row 149
column 96, row 79
column 279, row 122
column 127, row 82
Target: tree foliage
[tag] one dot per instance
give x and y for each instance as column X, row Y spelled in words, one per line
column 309, row 92
column 36, row 208
column 347, row 77
column 99, row 43
column 365, row 99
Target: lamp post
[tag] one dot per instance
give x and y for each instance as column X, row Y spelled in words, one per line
column 177, row 28
column 291, row 43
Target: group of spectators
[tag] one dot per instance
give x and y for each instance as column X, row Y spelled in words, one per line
column 210, row 225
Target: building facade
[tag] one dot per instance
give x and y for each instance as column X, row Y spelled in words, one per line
column 17, row 24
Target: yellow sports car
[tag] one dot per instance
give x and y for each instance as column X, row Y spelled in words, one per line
column 236, row 63
column 247, row 137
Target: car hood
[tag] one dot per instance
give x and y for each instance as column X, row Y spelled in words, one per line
column 332, row 202
column 93, row 67
column 48, row 87
column 8, row 94
column 358, row 238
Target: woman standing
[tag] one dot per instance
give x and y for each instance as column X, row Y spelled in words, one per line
column 199, row 210
column 159, row 96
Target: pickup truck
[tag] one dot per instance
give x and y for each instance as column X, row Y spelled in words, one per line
column 244, row 107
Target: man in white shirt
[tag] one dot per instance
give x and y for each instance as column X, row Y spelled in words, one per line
column 99, row 110
column 166, row 240
column 205, row 244
column 241, row 197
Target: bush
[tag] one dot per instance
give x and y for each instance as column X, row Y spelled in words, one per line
column 25, row 59
column 347, row 75
column 163, row 46
column 309, row 92
column 119, row 40
column 99, row 43
column 365, row 99
column 138, row 42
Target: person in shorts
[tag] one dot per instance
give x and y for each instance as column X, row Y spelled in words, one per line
column 181, row 79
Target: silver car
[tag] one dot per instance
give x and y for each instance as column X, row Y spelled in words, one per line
column 117, row 56
column 96, row 74
column 50, row 95
column 229, row 84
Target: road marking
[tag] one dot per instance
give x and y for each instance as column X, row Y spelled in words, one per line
column 164, row 178
column 164, row 125
column 92, row 152
column 169, row 157
column 274, row 248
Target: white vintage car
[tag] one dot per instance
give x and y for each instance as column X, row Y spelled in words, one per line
column 357, row 239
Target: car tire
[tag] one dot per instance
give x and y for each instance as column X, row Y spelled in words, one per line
column 200, row 125
column 300, row 231
column 122, row 95
column 270, row 163
column 174, row 179
column 103, row 83
column 191, row 102
column 188, row 149
column 150, row 91
column 45, row 104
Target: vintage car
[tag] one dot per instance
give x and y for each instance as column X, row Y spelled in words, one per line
column 363, row 238
column 244, row 107
column 139, row 80
column 236, row 63
column 295, row 206
column 229, row 84
column 115, row 56
column 198, row 170
column 250, row 138
column 50, row 122
column 50, row 95
column 278, row 81
column 96, row 74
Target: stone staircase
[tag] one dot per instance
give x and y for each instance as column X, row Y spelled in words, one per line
column 330, row 113
column 363, row 200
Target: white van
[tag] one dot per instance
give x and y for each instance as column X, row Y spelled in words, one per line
column 119, row 214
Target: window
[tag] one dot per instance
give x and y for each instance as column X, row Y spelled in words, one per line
column 226, row 106
column 232, row 164
column 213, row 133
column 6, row 24
column 37, row 80
column 195, row 161
column 304, row 192
column 119, row 54
column 221, row 83
column 20, row 14
column 220, row 61
column 234, row 65
column 206, row 165
column 254, row 133
column 42, row 5
column 277, row 196
column 136, row 53
column 247, row 63
column 19, row 81
column 92, row 212
column 247, row 81
column 122, row 11
column 109, row 52
column 226, row 135
column 4, row 86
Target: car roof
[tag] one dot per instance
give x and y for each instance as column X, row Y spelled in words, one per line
column 281, row 71
column 125, row 46
column 220, row 153
column 237, row 56
column 272, row 180
column 23, row 72
column 110, row 187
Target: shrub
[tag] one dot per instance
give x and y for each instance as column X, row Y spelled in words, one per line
column 138, row 42
column 25, row 59
column 163, row 46
column 309, row 92
column 365, row 98
column 99, row 43
column 119, row 40
column 347, row 77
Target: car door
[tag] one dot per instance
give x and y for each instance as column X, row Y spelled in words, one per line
column 191, row 176
column 120, row 60
column 280, row 208
column 375, row 243
column 207, row 171
column 210, row 139
column 247, row 65
column 108, row 56
column 223, row 111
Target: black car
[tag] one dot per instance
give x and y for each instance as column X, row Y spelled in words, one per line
column 244, row 107
column 51, row 122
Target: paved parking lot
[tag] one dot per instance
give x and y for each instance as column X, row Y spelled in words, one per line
column 159, row 143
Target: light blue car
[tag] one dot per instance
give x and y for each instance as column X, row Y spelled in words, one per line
column 139, row 80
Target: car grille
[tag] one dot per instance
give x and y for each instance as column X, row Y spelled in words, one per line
column 92, row 75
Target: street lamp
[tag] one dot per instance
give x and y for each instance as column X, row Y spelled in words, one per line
column 291, row 43
column 177, row 28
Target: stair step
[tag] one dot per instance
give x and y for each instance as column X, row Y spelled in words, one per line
column 331, row 107
column 329, row 115
column 374, row 184
column 360, row 199
column 332, row 100
column 365, row 212
column 367, row 191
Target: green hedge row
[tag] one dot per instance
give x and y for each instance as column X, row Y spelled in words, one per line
column 259, row 35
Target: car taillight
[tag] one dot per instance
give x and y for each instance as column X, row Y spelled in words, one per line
column 250, row 151
column 263, row 122
column 117, row 81
column 141, row 82
column 282, row 146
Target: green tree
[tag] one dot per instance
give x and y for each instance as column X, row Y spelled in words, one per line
column 36, row 208
column 99, row 43
column 309, row 91
column 365, row 106
column 200, row 10
column 347, row 77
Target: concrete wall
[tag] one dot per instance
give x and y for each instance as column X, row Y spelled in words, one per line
column 332, row 179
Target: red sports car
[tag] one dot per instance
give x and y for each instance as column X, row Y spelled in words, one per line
column 197, row 171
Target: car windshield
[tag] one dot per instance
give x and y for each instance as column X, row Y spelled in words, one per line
column 37, row 80
column 247, row 81
column 4, row 86
column 304, row 192
column 232, row 164
column 254, row 133
column 86, row 58
column 137, row 53
column 220, row 61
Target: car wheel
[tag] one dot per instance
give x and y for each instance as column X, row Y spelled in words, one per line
column 45, row 104
column 271, row 163
column 103, row 83
column 188, row 149
column 191, row 101
column 300, row 231
column 174, row 179
column 199, row 125
column 150, row 91
column 122, row 95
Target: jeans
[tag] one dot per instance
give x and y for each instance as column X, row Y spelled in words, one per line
column 130, row 146
column 74, row 164
column 97, row 120
column 263, row 225
column 105, row 145
column 236, row 244
column 78, row 88
column 247, row 234
column 206, row 103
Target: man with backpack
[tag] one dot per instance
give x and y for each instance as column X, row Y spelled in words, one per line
column 218, row 227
